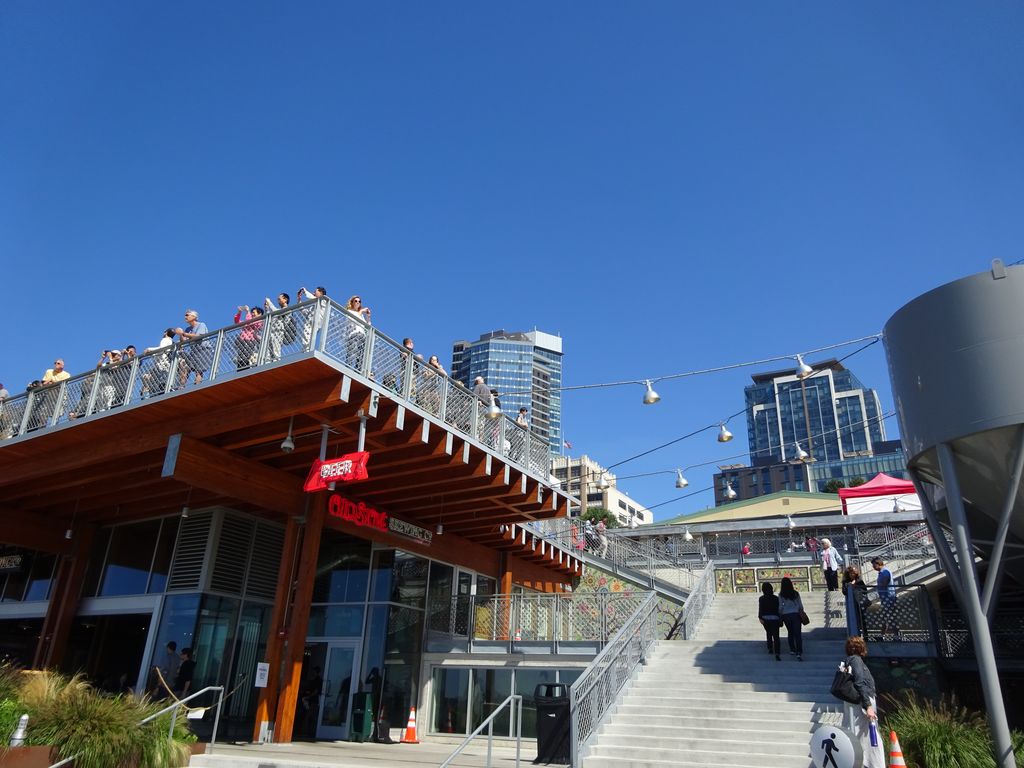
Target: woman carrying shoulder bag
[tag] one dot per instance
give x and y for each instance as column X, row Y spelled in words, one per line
column 791, row 607
column 860, row 716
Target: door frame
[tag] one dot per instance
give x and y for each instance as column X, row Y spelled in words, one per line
column 336, row 732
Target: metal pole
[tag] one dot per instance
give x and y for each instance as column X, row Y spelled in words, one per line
column 996, row 561
column 519, row 728
column 216, row 724
column 362, row 431
column 942, row 550
column 976, row 618
column 490, row 739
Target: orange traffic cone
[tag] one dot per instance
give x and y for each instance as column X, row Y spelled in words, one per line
column 410, row 737
column 895, row 751
column 450, row 725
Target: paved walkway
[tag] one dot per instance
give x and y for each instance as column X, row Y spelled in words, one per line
column 330, row 754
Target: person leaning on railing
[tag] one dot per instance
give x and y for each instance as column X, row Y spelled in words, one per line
column 154, row 381
column 196, row 358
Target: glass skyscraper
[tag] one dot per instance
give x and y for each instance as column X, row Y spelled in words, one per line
column 830, row 414
column 526, row 369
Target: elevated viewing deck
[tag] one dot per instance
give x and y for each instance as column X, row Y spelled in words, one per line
column 138, row 438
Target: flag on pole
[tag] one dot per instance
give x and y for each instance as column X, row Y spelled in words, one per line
column 567, row 444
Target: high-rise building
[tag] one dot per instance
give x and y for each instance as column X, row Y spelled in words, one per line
column 581, row 477
column 525, row 367
column 830, row 414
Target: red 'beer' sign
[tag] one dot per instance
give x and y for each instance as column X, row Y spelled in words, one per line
column 344, row 469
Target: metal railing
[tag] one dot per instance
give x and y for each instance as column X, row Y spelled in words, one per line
column 956, row 642
column 177, row 705
column 594, row 693
column 661, row 557
column 514, row 703
column 897, row 614
column 903, row 550
column 493, row 621
column 696, row 607
column 321, row 326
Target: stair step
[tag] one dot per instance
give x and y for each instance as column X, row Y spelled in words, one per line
column 767, row 732
column 722, row 753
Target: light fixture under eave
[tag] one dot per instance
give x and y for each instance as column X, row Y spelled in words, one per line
column 681, row 482
column 439, row 529
column 650, row 396
column 803, row 370
column 184, row 511
column 729, row 492
column 724, row 435
column 687, row 535
column 288, row 444
column 67, row 534
column 801, row 454
column 331, row 485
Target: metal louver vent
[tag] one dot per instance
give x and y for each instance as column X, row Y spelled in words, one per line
column 266, row 559
column 229, row 565
column 190, row 552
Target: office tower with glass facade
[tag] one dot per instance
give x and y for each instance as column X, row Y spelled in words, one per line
column 526, row 370
column 830, row 414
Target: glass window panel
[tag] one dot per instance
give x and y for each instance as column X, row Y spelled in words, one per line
column 569, row 676
column 215, row 633
column 164, row 553
column 451, row 699
column 490, row 688
column 336, row 621
column 343, row 569
column 17, row 581
column 177, row 625
column 129, row 559
column 40, row 576
column 399, row 577
column 526, row 682
column 97, row 557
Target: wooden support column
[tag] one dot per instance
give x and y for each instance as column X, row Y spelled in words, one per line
column 64, row 594
column 299, row 620
column 505, row 588
column 266, row 707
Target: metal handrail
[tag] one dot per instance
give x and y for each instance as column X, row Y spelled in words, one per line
column 322, row 327
column 174, row 719
column 697, row 604
column 489, row 722
column 604, row 678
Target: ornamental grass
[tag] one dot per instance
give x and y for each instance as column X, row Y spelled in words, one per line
column 98, row 730
column 944, row 734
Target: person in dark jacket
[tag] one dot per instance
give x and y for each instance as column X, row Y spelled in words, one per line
column 852, row 580
column 858, row 717
column 771, row 620
column 790, row 608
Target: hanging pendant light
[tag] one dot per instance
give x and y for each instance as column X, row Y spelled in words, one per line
column 681, row 482
column 790, row 523
column 801, row 454
column 803, row 370
column 897, row 507
column 688, row 536
column 439, row 529
column 493, row 411
column 729, row 492
column 603, row 483
column 288, row 444
column 724, row 435
column 650, row 396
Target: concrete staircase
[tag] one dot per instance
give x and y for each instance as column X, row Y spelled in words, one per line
column 722, row 700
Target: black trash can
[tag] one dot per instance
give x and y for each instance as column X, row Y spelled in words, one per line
column 362, row 717
column 553, row 724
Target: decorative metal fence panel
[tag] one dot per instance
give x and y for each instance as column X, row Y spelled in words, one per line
column 598, row 688
column 956, row 642
column 897, row 614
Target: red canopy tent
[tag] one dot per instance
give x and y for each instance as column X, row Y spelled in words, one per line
column 880, row 485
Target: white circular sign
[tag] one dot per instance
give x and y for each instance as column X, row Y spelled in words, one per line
column 835, row 747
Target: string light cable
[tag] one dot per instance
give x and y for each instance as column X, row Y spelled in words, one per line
column 650, row 380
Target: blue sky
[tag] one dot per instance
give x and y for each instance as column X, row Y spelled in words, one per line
column 669, row 186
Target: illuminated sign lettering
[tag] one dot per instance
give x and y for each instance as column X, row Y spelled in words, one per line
column 362, row 514
column 344, row 469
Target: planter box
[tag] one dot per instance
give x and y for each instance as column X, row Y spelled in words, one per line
column 39, row 757
column 26, row 757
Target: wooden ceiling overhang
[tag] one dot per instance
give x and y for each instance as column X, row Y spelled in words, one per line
column 221, row 444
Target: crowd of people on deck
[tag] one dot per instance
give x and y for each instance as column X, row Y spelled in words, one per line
column 266, row 327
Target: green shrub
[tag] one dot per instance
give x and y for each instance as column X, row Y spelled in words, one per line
column 99, row 731
column 945, row 734
column 10, row 713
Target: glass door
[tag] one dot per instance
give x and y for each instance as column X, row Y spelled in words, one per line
column 340, row 682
